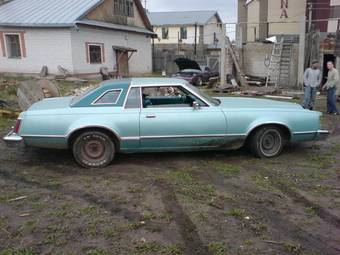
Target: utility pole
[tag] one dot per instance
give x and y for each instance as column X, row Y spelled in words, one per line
column 195, row 47
column 223, row 56
column 302, row 43
column 310, row 16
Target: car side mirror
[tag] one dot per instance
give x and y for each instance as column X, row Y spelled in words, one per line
column 196, row 105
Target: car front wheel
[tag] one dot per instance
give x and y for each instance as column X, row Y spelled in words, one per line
column 267, row 142
column 93, row 150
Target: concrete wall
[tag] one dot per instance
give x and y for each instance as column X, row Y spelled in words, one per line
column 140, row 62
column 253, row 21
column 295, row 10
column 50, row 47
column 254, row 55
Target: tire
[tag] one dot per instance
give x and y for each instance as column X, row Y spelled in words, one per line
column 199, row 82
column 93, row 150
column 267, row 142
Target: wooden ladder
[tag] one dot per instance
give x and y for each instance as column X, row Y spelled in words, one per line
column 273, row 73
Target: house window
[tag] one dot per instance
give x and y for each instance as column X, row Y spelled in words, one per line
column 123, row 7
column 95, row 53
column 13, row 45
column 165, row 33
column 184, row 33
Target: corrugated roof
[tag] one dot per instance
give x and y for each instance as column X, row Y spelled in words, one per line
column 181, row 18
column 44, row 12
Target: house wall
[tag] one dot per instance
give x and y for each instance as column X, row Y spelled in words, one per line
column 209, row 30
column 253, row 21
column 49, row 47
column 105, row 13
column 173, row 35
column 140, row 62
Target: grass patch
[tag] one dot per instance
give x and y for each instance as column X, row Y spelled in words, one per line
column 224, row 168
column 154, row 247
column 311, row 211
column 97, row 252
column 6, row 123
column 18, row 252
column 187, row 185
column 217, row 248
column 236, row 213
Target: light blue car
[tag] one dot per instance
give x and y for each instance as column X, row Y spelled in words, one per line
column 158, row 115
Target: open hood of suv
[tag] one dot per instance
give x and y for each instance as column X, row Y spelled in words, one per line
column 185, row 63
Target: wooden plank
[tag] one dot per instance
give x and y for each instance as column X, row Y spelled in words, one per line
column 241, row 75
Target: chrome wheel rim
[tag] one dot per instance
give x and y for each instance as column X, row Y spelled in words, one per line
column 271, row 142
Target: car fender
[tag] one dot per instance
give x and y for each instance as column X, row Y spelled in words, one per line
column 268, row 121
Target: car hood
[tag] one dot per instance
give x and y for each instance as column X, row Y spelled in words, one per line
column 251, row 103
column 51, row 103
column 185, row 63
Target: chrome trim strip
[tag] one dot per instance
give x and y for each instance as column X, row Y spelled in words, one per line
column 104, row 93
column 171, row 85
column 192, row 136
column 130, row 138
column 44, row 136
column 305, row 133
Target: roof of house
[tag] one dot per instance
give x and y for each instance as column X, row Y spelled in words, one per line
column 182, row 17
column 53, row 13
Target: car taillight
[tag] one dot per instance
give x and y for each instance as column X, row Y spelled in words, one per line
column 17, row 126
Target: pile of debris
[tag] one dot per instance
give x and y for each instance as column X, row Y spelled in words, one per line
column 82, row 90
column 4, row 84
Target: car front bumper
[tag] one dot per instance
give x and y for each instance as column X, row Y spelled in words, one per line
column 13, row 139
column 322, row 135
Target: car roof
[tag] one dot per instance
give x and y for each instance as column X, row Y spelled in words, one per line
column 156, row 81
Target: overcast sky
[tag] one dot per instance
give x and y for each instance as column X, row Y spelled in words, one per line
column 226, row 8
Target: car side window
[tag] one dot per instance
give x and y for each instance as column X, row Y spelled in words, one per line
column 109, row 97
column 133, row 100
column 168, row 97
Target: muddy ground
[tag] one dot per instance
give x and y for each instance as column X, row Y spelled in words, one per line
column 207, row 203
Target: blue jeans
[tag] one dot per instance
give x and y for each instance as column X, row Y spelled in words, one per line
column 331, row 101
column 309, row 98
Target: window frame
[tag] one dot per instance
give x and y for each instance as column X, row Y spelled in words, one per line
column 167, row 37
column 140, row 98
column 102, row 53
column 95, row 102
column 124, row 8
column 183, row 88
column 5, row 34
column 186, row 33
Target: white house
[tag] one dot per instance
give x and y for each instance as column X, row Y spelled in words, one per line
column 80, row 36
column 182, row 28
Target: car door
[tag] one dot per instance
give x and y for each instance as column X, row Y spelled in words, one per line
column 179, row 127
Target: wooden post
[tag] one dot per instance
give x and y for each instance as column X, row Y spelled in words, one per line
column 223, row 56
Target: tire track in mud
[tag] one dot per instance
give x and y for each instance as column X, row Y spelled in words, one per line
column 192, row 241
column 277, row 221
column 106, row 204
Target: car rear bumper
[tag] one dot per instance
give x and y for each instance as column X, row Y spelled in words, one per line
column 322, row 135
column 12, row 139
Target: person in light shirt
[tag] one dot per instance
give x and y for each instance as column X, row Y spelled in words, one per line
column 312, row 81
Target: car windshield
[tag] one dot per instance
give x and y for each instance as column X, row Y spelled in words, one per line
column 206, row 97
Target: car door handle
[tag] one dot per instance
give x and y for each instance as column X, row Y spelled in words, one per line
column 150, row 116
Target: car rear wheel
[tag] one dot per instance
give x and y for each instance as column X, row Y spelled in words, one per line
column 267, row 142
column 199, row 81
column 93, row 150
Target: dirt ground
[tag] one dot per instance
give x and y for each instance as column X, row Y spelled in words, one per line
column 206, row 203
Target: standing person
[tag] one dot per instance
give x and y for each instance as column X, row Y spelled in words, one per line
column 312, row 80
column 331, row 86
